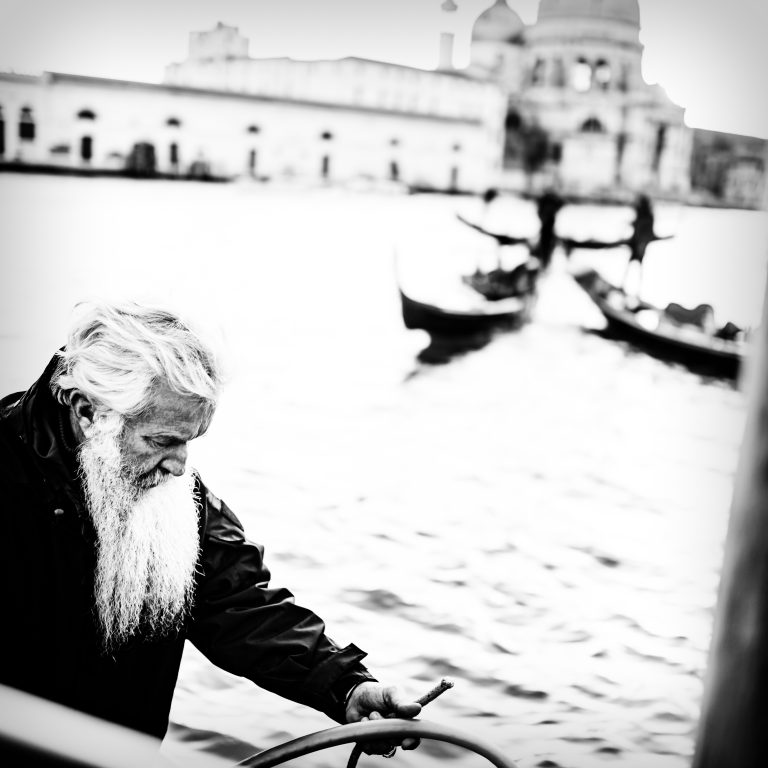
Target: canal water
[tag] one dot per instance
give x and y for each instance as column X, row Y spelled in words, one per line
column 540, row 520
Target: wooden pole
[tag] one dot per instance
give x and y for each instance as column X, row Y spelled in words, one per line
column 733, row 727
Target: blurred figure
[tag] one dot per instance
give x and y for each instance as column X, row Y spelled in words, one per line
column 488, row 197
column 547, row 209
column 642, row 235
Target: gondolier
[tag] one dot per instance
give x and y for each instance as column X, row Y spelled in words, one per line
column 642, row 236
column 115, row 552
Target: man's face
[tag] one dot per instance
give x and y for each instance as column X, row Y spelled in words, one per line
column 154, row 445
column 145, row 516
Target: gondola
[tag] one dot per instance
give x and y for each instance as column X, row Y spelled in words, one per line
column 455, row 331
column 662, row 332
column 500, row 283
column 485, row 318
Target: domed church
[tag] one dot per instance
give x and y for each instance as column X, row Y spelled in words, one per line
column 558, row 102
column 498, row 38
column 579, row 112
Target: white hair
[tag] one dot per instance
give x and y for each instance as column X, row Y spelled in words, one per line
column 117, row 354
column 146, row 541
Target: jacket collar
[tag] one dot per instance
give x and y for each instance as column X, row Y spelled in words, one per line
column 43, row 424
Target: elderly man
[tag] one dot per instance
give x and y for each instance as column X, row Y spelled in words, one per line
column 115, row 552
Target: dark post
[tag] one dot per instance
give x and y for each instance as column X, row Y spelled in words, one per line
column 733, row 728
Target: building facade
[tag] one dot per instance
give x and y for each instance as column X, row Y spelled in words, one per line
column 561, row 102
column 223, row 114
column 728, row 167
column 580, row 114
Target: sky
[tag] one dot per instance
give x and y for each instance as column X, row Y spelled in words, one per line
column 710, row 56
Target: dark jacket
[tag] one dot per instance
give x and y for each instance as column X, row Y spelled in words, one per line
column 49, row 644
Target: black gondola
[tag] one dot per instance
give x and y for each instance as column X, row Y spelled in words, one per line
column 658, row 331
column 503, row 283
column 488, row 317
column 453, row 332
column 499, row 284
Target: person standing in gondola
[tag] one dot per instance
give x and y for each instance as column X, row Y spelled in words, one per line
column 642, row 235
column 547, row 208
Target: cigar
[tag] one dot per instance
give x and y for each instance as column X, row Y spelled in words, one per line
column 442, row 687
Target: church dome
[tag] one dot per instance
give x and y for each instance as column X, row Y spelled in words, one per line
column 620, row 10
column 499, row 23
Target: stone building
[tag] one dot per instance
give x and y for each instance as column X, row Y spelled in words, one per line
column 223, row 114
column 730, row 168
column 558, row 102
column 579, row 112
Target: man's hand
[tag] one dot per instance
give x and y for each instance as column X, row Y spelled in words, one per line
column 374, row 701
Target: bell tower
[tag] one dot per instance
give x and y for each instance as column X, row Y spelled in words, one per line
column 223, row 42
column 446, row 38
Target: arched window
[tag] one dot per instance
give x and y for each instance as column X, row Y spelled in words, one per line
column 173, row 122
column 26, row 124
column 624, row 78
column 326, row 135
column 537, row 72
column 659, row 145
column 254, row 129
column 592, row 125
column 581, row 75
column 86, row 114
column 513, row 121
column 603, row 74
column 558, row 73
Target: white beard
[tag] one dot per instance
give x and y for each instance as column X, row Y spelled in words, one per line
column 147, row 541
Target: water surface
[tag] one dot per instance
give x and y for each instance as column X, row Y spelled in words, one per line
column 541, row 520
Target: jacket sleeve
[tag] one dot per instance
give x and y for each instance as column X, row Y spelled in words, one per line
column 256, row 631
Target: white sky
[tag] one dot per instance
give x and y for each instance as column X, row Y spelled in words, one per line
column 711, row 56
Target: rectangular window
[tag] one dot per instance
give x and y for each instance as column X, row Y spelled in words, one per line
column 26, row 131
column 658, row 150
column 86, row 148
